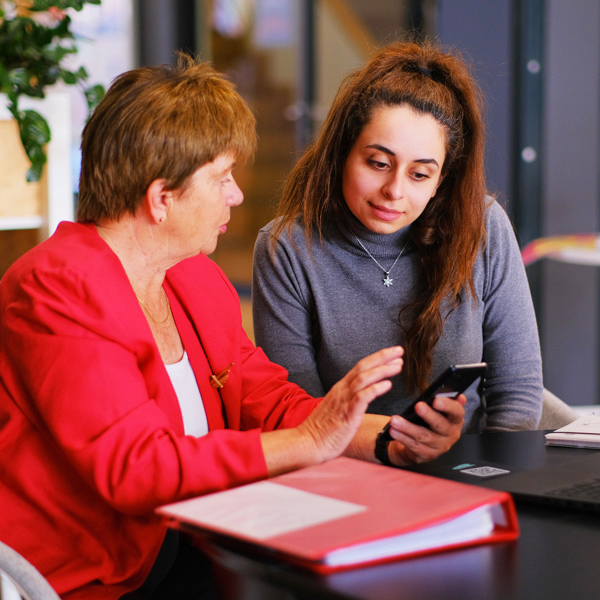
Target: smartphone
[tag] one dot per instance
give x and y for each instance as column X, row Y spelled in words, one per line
column 452, row 382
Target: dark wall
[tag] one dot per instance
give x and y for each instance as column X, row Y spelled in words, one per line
column 162, row 27
column 565, row 186
column 482, row 32
column 571, row 173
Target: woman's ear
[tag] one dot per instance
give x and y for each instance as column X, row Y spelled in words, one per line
column 158, row 200
column 442, row 176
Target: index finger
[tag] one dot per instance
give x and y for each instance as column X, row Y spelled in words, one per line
column 381, row 357
column 374, row 369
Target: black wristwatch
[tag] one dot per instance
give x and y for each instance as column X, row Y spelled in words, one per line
column 381, row 446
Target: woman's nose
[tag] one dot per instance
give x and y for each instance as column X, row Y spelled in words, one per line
column 236, row 196
column 394, row 187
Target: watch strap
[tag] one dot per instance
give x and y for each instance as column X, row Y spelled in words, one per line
column 381, row 445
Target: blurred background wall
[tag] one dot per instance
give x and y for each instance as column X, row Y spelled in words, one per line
column 538, row 62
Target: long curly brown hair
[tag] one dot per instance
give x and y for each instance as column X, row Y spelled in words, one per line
column 450, row 231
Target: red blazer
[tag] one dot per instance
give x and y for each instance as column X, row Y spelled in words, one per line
column 91, row 435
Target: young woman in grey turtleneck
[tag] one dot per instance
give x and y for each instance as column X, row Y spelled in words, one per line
column 385, row 236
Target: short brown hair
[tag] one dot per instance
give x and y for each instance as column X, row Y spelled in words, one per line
column 158, row 122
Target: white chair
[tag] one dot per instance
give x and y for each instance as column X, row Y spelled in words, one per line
column 20, row 579
column 555, row 412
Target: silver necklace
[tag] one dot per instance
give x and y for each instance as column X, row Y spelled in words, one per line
column 387, row 281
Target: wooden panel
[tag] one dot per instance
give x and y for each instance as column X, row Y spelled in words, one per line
column 18, row 198
column 15, row 243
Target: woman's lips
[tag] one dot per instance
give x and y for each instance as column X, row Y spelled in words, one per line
column 386, row 214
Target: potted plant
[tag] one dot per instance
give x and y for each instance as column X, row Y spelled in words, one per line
column 36, row 43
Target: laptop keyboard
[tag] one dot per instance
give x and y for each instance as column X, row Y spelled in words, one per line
column 588, row 490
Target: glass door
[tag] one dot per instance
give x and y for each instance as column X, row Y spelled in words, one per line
column 287, row 58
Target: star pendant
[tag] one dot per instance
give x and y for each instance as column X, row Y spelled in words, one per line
column 388, row 280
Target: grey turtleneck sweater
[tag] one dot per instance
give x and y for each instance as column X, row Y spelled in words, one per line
column 319, row 313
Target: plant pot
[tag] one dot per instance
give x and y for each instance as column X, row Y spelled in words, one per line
column 42, row 204
column 18, row 198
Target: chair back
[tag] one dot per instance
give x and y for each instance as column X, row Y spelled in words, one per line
column 555, row 412
column 19, row 579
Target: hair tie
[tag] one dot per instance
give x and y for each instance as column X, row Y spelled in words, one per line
column 415, row 68
column 425, row 72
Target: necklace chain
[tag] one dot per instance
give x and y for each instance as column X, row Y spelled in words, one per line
column 387, row 281
column 151, row 315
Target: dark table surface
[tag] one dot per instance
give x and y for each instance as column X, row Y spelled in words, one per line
column 556, row 556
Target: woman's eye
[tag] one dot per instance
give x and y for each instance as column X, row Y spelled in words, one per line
column 420, row 176
column 377, row 164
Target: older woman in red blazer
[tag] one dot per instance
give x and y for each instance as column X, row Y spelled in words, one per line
column 127, row 380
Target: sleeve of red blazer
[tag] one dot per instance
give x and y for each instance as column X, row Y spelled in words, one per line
column 78, row 360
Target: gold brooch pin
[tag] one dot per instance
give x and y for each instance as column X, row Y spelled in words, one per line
column 218, row 381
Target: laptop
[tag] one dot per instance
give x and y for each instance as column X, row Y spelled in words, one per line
column 571, row 479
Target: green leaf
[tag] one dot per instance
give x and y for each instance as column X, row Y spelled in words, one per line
column 34, row 173
column 68, row 77
column 4, row 80
column 31, row 59
column 55, row 54
column 19, row 79
column 34, row 128
column 35, row 134
column 14, row 108
column 81, row 73
column 62, row 29
column 41, row 5
column 37, row 157
column 93, row 95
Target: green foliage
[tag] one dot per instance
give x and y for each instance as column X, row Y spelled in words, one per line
column 35, row 38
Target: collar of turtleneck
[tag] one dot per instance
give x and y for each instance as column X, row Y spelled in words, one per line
column 380, row 245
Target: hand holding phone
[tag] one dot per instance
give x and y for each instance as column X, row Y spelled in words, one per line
column 452, row 382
